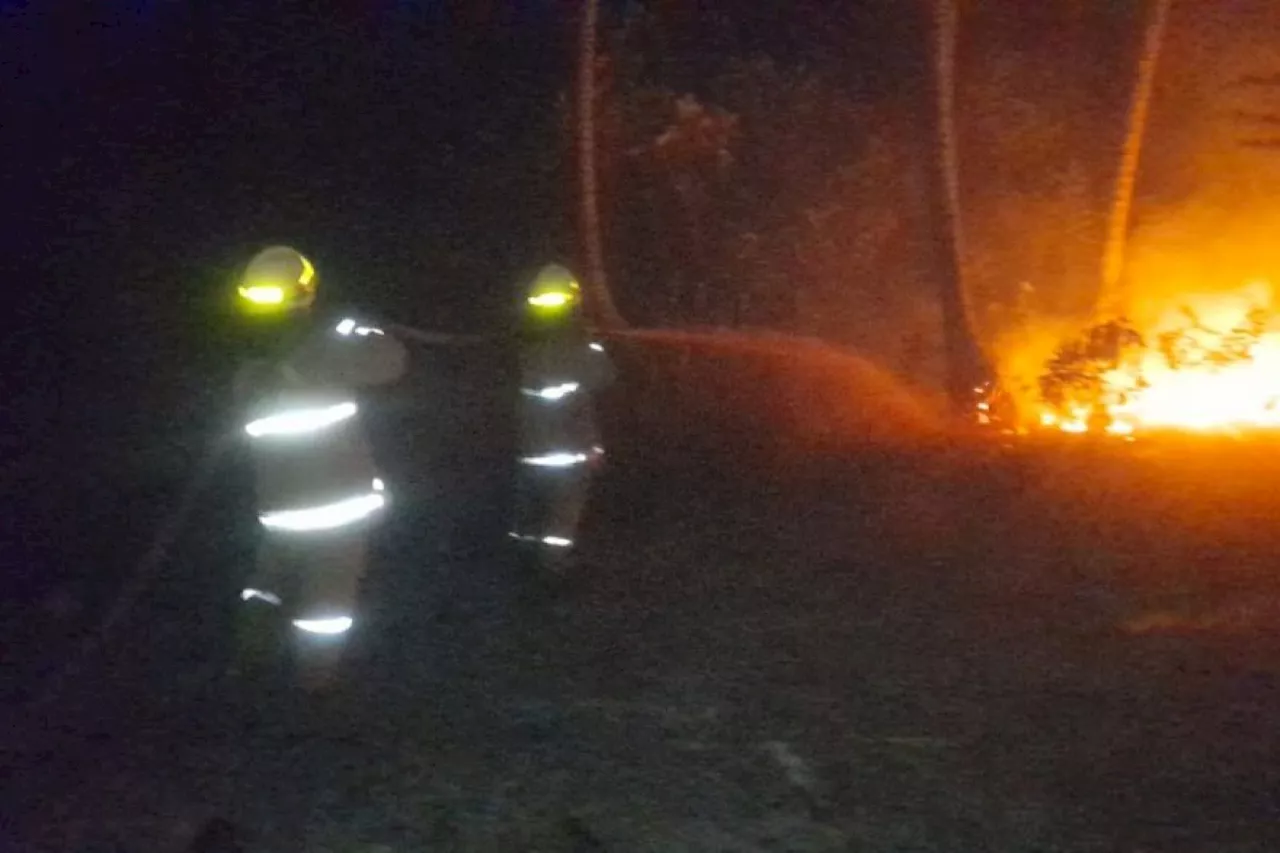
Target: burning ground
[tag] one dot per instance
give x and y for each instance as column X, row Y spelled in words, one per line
column 909, row 645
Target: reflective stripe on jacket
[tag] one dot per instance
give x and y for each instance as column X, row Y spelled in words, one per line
column 558, row 380
column 303, row 422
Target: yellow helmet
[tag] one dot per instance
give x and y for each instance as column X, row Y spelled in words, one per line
column 554, row 292
column 277, row 280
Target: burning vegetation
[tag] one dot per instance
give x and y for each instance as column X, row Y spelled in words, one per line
column 1206, row 363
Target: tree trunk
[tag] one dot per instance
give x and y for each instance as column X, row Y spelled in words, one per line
column 1118, row 229
column 961, row 349
column 598, row 301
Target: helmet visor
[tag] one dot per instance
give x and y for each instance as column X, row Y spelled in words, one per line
column 553, row 300
column 554, row 294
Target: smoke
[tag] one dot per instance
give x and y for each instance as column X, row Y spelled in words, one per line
column 1208, row 210
column 1200, row 253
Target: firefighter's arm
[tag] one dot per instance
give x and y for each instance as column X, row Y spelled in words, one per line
column 384, row 360
column 348, row 355
column 375, row 359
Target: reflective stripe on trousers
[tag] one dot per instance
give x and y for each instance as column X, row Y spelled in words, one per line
column 311, row 560
column 328, row 516
column 331, row 624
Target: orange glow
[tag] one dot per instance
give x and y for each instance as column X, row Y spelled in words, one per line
column 1206, row 362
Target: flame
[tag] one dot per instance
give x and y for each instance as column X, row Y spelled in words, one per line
column 1205, row 362
column 1235, row 388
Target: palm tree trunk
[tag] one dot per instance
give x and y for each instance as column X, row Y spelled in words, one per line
column 1117, row 233
column 599, row 302
column 958, row 326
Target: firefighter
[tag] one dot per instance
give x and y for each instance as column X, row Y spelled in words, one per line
column 560, row 369
column 318, row 492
